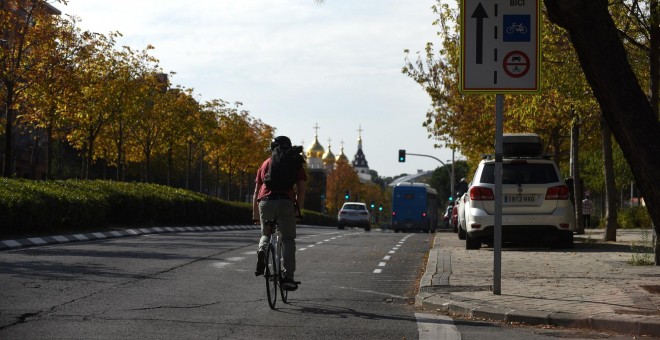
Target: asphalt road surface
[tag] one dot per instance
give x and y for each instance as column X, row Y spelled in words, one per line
column 199, row 285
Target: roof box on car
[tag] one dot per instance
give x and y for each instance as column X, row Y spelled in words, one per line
column 522, row 145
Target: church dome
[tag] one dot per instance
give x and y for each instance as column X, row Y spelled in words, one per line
column 328, row 157
column 342, row 157
column 316, row 149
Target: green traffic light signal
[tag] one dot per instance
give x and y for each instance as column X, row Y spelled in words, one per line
column 402, row 155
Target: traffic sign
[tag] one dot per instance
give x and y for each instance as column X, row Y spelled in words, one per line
column 500, row 46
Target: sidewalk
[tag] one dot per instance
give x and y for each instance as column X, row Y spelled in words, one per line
column 590, row 286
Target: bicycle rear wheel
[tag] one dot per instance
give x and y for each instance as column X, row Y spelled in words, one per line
column 272, row 276
column 283, row 293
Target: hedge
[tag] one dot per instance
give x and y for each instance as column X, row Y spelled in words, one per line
column 28, row 207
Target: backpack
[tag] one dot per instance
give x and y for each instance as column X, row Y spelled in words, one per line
column 284, row 167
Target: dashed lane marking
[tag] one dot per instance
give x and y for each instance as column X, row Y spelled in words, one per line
column 388, row 257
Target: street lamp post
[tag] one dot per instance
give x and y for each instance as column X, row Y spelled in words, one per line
column 451, row 172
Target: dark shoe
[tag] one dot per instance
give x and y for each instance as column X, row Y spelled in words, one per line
column 290, row 285
column 261, row 263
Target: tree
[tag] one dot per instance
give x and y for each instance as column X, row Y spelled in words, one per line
column 341, row 179
column 27, row 28
column 625, row 107
column 441, row 182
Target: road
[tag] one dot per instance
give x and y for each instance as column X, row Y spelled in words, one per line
column 201, row 285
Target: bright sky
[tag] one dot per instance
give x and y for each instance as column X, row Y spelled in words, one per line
column 293, row 64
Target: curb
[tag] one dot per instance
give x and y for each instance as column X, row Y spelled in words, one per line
column 95, row 236
column 434, row 276
column 45, row 240
column 636, row 325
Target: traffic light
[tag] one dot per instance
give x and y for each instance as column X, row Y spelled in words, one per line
column 402, row 155
column 380, row 207
column 451, row 198
column 347, row 195
column 372, row 205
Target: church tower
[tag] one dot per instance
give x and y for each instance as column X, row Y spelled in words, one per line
column 342, row 157
column 315, row 152
column 316, row 175
column 360, row 164
column 329, row 159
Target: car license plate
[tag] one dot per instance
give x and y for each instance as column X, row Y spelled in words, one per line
column 520, row 199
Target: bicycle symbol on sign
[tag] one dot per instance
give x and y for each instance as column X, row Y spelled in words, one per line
column 519, row 28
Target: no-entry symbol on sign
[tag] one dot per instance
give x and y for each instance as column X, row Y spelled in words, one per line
column 516, row 64
column 500, row 46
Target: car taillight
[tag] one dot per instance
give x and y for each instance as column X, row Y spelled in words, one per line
column 481, row 194
column 364, row 213
column 424, row 214
column 342, row 212
column 559, row 192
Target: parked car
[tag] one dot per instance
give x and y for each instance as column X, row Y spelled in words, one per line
column 454, row 218
column 460, row 225
column 354, row 214
column 446, row 218
column 535, row 201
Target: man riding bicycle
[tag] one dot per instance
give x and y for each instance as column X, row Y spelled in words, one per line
column 280, row 204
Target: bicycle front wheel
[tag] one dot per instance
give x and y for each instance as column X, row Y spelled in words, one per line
column 272, row 276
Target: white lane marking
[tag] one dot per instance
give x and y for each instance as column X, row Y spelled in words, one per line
column 378, row 271
column 382, row 264
column 221, row 264
column 431, row 326
column 235, row 259
column 387, row 258
column 392, row 252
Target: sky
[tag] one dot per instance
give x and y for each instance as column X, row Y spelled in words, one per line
column 294, row 64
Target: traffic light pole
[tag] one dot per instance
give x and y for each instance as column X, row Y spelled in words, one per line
column 451, row 172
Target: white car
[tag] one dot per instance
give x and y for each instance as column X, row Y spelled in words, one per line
column 536, row 203
column 354, row 214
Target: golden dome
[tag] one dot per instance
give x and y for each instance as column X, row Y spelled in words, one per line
column 315, row 150
column 342, row 157
column 328, row 157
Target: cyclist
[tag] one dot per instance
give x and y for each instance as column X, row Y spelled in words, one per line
column 282, row 206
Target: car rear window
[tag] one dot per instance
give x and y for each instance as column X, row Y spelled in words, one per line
column 521, row 173
column 355, row 207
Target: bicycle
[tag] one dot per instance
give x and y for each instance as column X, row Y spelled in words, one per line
column 274, row 263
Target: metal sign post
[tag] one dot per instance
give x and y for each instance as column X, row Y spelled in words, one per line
column 500, row 53
column 497, row 232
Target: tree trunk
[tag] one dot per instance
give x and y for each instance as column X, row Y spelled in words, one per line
column 556, row 144
column 147, row 164
column 201, row 171
column 654, row 61
column 610, row 185
column 49, row 150
column 9, row 122
column 577, row 180
column 169, row 164
column 625, row 107
column 188, row 165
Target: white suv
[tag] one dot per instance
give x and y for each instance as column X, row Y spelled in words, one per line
column 535, row 201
